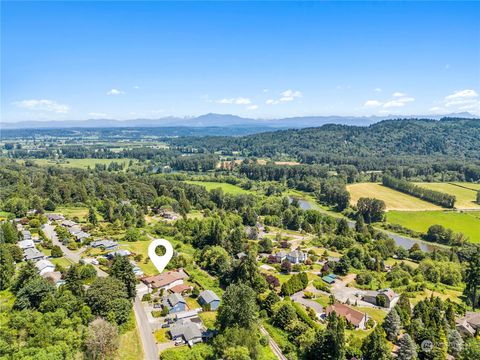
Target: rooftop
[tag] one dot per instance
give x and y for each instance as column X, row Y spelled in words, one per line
column 351, row 315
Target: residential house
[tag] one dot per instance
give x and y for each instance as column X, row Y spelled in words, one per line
column 357, row 318
column 26, row 235
column 122, row 252
column 296, row 257
column 208, row 297
column 330, row 278
column 68, row 223
column 55, row 217
column 104, row 244
column 386, row 298
column 77, row 232
column 175, row 303
column 54, row 277
column 190, row 314
column 469, row 325
column 165, row 280
column 26, row 244
column 33, row 254
column 44, row 266
column 280, row 256
column 180, row 289
column 187, row 331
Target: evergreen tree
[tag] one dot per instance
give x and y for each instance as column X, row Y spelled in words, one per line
column 473, row 278
column 375, row 346
column 7, row 268
column 404, row 309
column 455, row 343
column 329, row 344
column 238, row 308
column 122, row 270
column 271, row 299
column 284, row 314
column 92, row 216
column 392, row 325
column 407, row 348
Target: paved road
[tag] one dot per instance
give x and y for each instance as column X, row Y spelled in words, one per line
column 150, row 348
column 50, row 233
column 298, row 297
column 273, row 345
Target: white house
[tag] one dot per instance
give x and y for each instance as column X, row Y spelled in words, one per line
column 296, row 257
column 26, row 244
column 44, row 266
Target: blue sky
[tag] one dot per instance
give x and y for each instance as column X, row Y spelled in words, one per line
column 124, row 60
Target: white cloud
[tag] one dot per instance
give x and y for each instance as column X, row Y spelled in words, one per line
column 43, row 105
column 115, row 92
column 286, row 96
column 372, row 103
column 252, row 107
column 136, row 87
column 377, row 90
column 461, row 97
column 235, row 101
column 447, row 67
column 398, row 100
column 97, row 114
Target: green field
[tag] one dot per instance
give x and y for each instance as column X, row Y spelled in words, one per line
column 80, row 163
column 467, row 223
column 464, row 192
column 394, row 200
column 227, row 188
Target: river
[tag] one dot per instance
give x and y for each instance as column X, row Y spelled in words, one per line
column 400, row 240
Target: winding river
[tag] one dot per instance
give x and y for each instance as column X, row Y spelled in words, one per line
column 400, row 240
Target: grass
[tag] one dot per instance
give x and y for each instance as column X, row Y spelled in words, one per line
column 130, row 347
column 71, row 211
column 206, row 281
column 208, row 318
column 80, row 163
column 227, row 188
column 141, row 247
column 463, row 222
column 463, row 192
column 192, row 303
column 161, row 336
column 393, row 262
column 63, row 262
column 198, row 351
column 394, row 200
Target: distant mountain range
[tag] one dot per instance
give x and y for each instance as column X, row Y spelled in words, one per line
column 220, row 120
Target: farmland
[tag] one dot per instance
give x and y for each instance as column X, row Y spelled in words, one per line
column 394, row 200
column 464, row 193
column 467, row 223
column 80, row 163
column 227, row 188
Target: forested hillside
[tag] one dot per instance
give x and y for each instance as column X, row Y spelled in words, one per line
column 408, row 139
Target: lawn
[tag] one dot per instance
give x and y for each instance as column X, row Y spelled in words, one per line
column 141, row 247
column 467, row 223
column 130, row 347
column 227, row 188
column 63, row 262
column 70, row 212
column 394, row 200
column 162, row 336
column 208, row 318
column 464, row 193
column 192, row 303
column 80, row 163
column 198, row 351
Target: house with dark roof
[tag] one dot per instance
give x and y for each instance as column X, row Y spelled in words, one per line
column 357, row 318
column 175, row 303
column 104, row 244
column 209, row 298
column 186, row 330
column 386, row 298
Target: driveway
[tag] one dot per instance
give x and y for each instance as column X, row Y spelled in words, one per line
column 342, row 292
column 298, row 297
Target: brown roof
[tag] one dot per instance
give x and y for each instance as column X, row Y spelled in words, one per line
column 351, row 315
column 180, row 288
column 164, row 279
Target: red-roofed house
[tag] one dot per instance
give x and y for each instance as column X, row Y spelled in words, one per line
column 165, row 280
column 355, row 317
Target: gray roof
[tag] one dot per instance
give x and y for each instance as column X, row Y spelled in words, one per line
column 174, row 299
column 185, row 328
column 25, row 244
column 104, row 243
column 208, row 296
column 43, row 264
column 26, row 234
column 32, row 254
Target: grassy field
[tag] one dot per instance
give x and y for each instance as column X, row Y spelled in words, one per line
column 467, row 223
column 130, row 347
column 464, row 193
column 70, row 212
column 80, row 163
column 227, row 188
column 208, row 318
column 471, row 186
column 394, row 200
